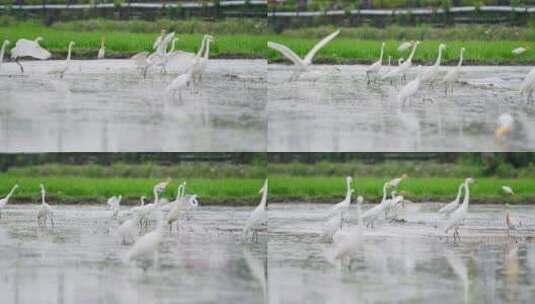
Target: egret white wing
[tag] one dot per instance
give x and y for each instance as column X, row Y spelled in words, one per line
column 284, row 50
column 319, row 45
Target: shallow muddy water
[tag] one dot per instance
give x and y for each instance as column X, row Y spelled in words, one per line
column 79, row 260
column 403, row 263
column 332, row 108
column 106, row 105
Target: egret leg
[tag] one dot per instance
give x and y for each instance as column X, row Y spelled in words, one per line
column 20, row 65
column 177, row 227
column 171, row 228
column 52, row 220
column 0, row 213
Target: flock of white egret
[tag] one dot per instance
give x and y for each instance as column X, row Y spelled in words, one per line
column 393, row 207
column 380, row 72
column 134, row 223
column 189, row 66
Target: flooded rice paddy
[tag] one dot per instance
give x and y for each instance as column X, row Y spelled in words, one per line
column 332, row 108
column 246, row 105
column 109, row 105
column 410, row 262
column 80, row 260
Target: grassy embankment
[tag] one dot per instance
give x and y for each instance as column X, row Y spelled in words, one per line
column 238, row 185
column 247, row 39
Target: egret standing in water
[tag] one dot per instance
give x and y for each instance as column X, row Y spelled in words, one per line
column 45, row 211
column 402, row 69
column 453, row 75
column 2, row 51
column 430, row 73
column 175, row 211
column 458, row 216
column 102, row 50
column 114, row 203
column 372, row 214
column 508, row 220
column 374, row 69
column 450, row 207
column 258, row 218
column 5, row 200
column 411, row 88
column 148, row 244
column 28, row 48
column 128, row 229
column 528, row 85
column 301, row 65
column 65, row 66
column 341, row 207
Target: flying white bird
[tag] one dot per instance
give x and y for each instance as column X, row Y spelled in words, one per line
column 160, row 187
column 28, row 48
column 508, row 190
column 394, row 183
column 458, row 216
column 45, row 211
column 2, row 51
column 102, row 50
column 403, row 47
column 450, row 207
column 430, row 73
column 301, row 65
column 65, row 66
column 519, row 50
column 5, row 200
column 453, row 75
column 376, row 67
column 505, row 125
column 259, row 216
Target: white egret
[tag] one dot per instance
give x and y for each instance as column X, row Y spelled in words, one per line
column 453, row 75
column 102, row 50
column 2, row 51
column 372, row 214
column 430, row 73
column 28, row 48
column 403, row 47
column 342, row 206
column 159, row 40
column 174, row 214
column 385, row 69
column 199, row 66
column 411, row 88
column 148, row 244
column 128, row 229
column 528, row 85
column 508, row 220
column 140, row 60
column 301, row 64
column 179, row 84
column 259, row 216
column 114, row 203
column 519, row 50
column 508, row 190
column 185, row 60
column 346, row 246
column 403, row 67
column 458, row 216
column 376, row 67
column 5, row 200
column 330, row 228
column 45, row 211
column 65, row 66
column 160, row 187
column 505, row 125
column 450, row 207
column 394, row 183
column 147, row 210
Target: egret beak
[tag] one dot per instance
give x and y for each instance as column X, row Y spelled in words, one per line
column 501, row 132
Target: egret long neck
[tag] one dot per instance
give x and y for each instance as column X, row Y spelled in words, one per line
column 466, row 195
column 439, row 58
column 413, row 51
column 461, row 60
column 43, row 197
column 263, row 200
column 179, row 192
column 207, row 50
column 348, row 192
column 2, row 51
column 459, row 192
column 69, row 53
column 384, row 194
column 156, row 200
column 199, row 52
column 382, row 53
column 173, row 46
column 11, row 192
